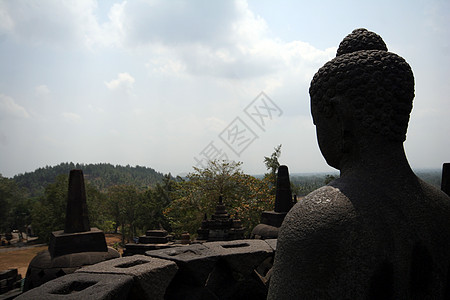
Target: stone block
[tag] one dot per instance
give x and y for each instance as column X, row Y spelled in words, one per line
column 272, row 243
column 6, row 274
column 156, row 232
column 133, row 249
column 82, row 286
column 195, row 261
column 66, row 243
column 153, row 239
column 43, row 268
column 273, row 218
column 264, row 231
column 151, row 275
column 242, row 256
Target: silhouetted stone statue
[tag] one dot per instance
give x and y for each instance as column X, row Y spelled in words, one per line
column 272, row 220
column 377, row 232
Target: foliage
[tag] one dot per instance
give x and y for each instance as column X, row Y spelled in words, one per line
column 272, row 165
column 102, row 176
column 329, row 178
column 243, row 195
column 15, row 209
column 305, row 184
column 135, row 211
column 50, row 211
column 124, row 204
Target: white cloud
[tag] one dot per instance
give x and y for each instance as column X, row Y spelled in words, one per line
column 49, row 22
column 42, row 91
column 166, row 65
column 71, row 117
column 10, row 108
column 218, row 39
column 123, row 81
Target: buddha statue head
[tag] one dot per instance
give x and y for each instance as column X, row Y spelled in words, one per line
column 362, row 96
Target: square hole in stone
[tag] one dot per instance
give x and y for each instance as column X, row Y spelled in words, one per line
column 132, row 264
column 239, row 245
column 73, row 287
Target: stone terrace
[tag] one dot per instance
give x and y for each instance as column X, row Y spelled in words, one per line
column 212, row 270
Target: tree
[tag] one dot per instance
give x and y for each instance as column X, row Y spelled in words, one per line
column 329, row 178
column 124, row 202
column 244, row 196
column 98, row 209
column 272, row 165
column 49, row 212
column 15, row 209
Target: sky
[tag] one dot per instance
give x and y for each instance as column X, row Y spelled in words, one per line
column 170, row 84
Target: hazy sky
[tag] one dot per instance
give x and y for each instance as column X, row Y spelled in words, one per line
column 165, row 84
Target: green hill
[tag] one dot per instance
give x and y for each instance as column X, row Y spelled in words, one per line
column 102, row 176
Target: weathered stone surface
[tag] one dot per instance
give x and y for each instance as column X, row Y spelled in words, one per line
column 141, row 249
column 62, row 243
column 273, row 218
column 153, row 240
column 151, row 275
column 5, row 274
column 156, row 232
column 226, row 284
column 43, row 267
column 195, row 261
column 82, row 286
column 217, row 270
column 77, row 219
column 263, row 231
column 241, row 256
column 377, row 232
column 272, row 243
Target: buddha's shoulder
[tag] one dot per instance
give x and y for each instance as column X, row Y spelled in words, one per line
column 325, row 198
column 326, row 206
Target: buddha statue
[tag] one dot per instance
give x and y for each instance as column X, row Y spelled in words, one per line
column 378, row 231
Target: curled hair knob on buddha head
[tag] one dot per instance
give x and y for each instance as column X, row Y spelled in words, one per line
column 376, row 85
column 361, row 39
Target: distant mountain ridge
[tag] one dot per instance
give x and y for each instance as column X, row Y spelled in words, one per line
column 101, row 175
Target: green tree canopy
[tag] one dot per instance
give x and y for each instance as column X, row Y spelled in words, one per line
column 244, row 196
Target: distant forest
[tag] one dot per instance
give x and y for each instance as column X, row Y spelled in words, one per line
column 303, row 184
column 102, row 176
column 105, row 175
column 131, row 200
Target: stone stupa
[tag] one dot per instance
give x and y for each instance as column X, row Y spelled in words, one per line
column 272, row 220
column 221, row 227
column 75, row 246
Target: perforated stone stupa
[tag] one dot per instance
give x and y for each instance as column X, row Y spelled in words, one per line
column 221, row 227
column 152, row 240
